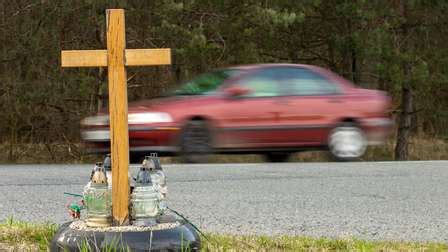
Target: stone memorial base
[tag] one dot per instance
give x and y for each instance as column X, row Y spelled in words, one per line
column 168, row 235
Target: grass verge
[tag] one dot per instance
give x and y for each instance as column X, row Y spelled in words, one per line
column 17, row 235
column 288, row 243
column 420, row 148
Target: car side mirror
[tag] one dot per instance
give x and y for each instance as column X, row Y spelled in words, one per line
column 237, row 91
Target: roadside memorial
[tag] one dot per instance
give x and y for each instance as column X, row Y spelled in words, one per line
column 113, row 192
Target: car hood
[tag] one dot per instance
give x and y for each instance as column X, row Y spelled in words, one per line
column 165, row 104
column 174, row 105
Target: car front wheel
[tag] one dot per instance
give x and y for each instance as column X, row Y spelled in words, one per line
column 347, row 142
column 195, row 142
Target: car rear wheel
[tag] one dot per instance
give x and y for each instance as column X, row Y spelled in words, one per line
column 347, row 142
column 195, row 142
column 277, row 157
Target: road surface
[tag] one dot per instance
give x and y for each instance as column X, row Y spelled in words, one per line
column 375, row 200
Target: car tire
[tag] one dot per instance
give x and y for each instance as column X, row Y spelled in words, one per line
column 277, row 157
column 347, row 142
column 195, row 143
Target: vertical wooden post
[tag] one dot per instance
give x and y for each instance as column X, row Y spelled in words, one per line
column 116, row 57
column 118, row 111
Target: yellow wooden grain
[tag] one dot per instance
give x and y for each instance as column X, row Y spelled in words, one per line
column 148, row 57
column 84, row 58
column 98, row 58
column 118, row 107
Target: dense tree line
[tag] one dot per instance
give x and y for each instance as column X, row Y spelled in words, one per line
column 395, row 45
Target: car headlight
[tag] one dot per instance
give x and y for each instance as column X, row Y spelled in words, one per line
column 96, row 120
column 150, row 117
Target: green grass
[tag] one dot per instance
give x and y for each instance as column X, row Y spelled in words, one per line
column 17, row 235
column 20, row 235
column 420, row 148
column 288, row 243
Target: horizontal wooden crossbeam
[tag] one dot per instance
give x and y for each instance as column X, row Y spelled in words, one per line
column 147, row 57
column 84, row 58
column 98, row 58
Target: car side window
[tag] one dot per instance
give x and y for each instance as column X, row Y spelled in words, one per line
column 300, row 81
column 206, row 83
column 261, row 84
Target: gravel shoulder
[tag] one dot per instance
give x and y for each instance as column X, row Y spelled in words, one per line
column 366, row 200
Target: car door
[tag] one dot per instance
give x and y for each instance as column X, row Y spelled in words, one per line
column 248, row 121
column 308, row 104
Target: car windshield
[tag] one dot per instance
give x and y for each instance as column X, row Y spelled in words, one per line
column 206, row 83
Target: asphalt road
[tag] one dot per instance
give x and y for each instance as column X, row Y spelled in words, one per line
column 384, row 200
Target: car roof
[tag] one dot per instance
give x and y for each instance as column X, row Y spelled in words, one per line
column 316, row 69
column 259, row 66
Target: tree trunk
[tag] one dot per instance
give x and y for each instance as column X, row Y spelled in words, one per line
column 100, row 96
column 355, row 71
column 405, row 116
column 404, row 125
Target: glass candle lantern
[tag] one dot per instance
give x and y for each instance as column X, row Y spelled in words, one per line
column 158, row 178
column 98, row 199
column 145, row 199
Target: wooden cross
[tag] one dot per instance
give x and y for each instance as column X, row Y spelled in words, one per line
column 115, row 58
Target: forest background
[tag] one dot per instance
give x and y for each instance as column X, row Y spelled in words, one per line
column 399, row 46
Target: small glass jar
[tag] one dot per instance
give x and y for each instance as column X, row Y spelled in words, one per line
column 98, row 199
column 158, row 178
column 145, row 205
column 145, row 198
column 159, row 181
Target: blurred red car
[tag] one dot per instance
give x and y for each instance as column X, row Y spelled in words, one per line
column 274, row 109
